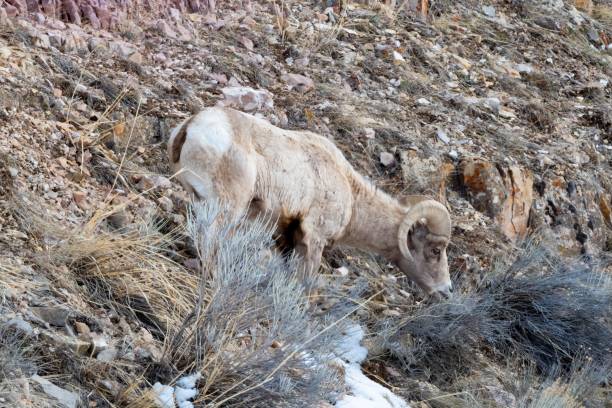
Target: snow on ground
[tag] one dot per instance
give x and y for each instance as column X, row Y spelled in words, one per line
column 180, row 395
column 364, row 393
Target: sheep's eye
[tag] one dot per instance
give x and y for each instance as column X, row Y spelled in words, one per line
column 436, row 251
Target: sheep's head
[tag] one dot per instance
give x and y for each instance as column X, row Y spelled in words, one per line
column 423, row 237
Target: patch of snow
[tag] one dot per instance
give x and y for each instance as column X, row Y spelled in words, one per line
column 164, row 395
column 185, row 390
column 365, row 393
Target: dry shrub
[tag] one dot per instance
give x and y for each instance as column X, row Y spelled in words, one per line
column 18, row 362
column 579, row 389
column 252, row 334
column 539, row 116
column 538, row 310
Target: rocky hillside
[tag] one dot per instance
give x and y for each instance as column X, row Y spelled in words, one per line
column 501, row 109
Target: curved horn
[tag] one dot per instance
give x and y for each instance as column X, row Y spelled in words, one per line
column 438, row 222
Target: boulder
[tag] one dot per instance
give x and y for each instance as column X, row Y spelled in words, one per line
column 503, row 193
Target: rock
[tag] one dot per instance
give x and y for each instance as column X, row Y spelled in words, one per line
column 246, row 98
column 369, row 133
column 584, row 5
column 74, row 41
column 493, row 104
column 21, row 325
column 488, row 11
column 504, row 194
column 165, row 203
column 80, row 199
column 423, row 102
column 75, row 344
column 13, row 172
column 153, row 182
column 96, row 44
column 164, row 29
column 298, row 82
column 55, row 316
column 547, row 22
column 593, row 35
column 524, row 68
column 98, row 342
column 82, row 328
column 5, row 52
column 4, row 20
column 247, row 43
column 136, row 58
column 122, row 49
column 397, row 57
column 107, row 355
column 387, row 159
column 342, row 271
column 64, row 397
column 442, row 136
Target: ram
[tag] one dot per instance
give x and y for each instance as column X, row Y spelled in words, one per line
column 304, row 182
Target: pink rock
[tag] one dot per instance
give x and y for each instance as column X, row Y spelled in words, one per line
column 164, row 29
column 247, row 98
column 298, row 82
column 248, row 44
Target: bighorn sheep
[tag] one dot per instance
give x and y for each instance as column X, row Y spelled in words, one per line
column 303, row 180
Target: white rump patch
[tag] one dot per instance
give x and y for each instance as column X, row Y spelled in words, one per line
column 211, row 128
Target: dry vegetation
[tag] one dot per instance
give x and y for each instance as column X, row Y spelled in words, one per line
column 172, row 293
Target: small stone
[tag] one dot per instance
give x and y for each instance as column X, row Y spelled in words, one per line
column 369, row 133
column 13, row 172
column 165, row 203
column 342, row 271
column 82, row 328
column 247, row 43
column 524, row 68
column 423, row 102
column 493, row 104
column 247, row 98
column 298, row 82
column 453, row 154
column 593, row 35
column 107, row 355
column 489, row 11
column 387, row 159
column 442, row 136
column 153, row 182
column 21, row 325
column 55, row 316
column 64, row 398
column 5, row 52
column 80, row 199
column 397, row 57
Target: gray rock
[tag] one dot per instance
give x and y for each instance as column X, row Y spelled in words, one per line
column 442, row 136
column 54, row 315
column 493, row 104
column 387, row 159
column 593, row 35
column 107, row 355
column 21, row 325
column 13, row 172
column 488, row 11
column 64, row 397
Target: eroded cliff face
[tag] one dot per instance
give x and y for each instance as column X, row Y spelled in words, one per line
column 502, row 111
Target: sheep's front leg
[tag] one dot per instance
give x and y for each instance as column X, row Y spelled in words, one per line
column 311, row 251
